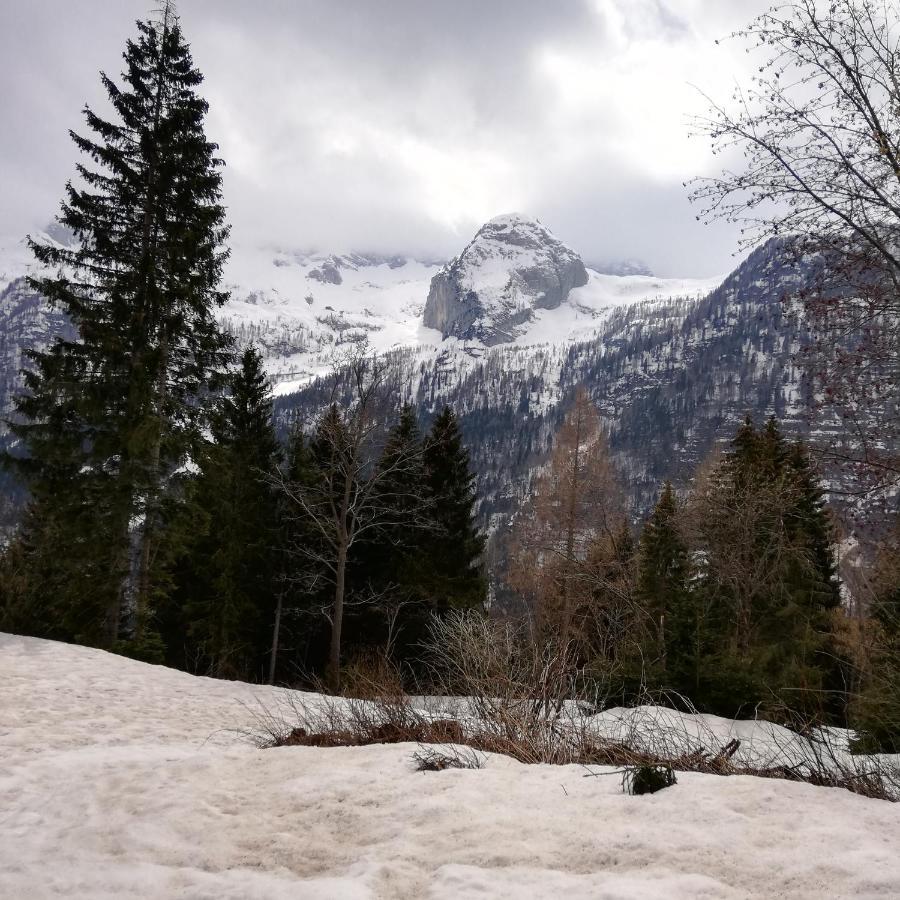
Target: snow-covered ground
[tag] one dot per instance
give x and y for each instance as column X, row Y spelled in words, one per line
column 120, row 779
column 582, row 315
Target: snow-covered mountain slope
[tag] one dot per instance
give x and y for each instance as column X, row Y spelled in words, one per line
column 302, row 309
column 586, row 309
column 673, row 364
column 121, row 779
column 302, row 322
column 672, row 378
column 512, row 267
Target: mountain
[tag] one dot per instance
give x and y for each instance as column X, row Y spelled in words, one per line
column 672, row 376
column 512, row 267
column 301, row 309
column 672, row 364
column 304, row 308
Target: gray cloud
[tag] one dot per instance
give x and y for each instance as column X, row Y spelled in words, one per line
column 402, row 125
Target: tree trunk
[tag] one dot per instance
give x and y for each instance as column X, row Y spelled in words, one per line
column 154, row 489
column 570, row 531
column 276, row 629
column 130, row 598
column 337, row 618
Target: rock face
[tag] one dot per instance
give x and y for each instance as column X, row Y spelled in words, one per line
column 328, row 273
column 513, row 266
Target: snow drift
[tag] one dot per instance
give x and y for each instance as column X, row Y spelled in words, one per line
column 121, row 779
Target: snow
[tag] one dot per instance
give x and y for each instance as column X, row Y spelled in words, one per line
column 121, row 779
column 16, row 259
column 302, row 324
column 273, row 291
column 586, row 309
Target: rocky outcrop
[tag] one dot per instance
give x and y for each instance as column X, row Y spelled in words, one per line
column 27, row 322
column 327, row 273
column 513, row 266
column 328, row 270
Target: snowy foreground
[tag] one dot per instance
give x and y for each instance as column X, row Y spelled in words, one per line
column 120, row 779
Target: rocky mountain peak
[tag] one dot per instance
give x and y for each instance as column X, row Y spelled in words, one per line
column 513, row 266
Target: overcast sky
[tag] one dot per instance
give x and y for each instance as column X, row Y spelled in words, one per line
column 402, row 125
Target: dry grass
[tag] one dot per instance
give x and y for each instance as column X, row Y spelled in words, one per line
column 498, row 695
column 437, row 759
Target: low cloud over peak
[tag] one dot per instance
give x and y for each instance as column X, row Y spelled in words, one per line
column 401, row 128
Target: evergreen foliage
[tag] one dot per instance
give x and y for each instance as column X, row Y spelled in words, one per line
column 454, row 547
column 110, row 417
column 420, row 550
column 389, row 569
column 300, row 636
column 663, row 591
column 876, row 714
column 231, row 571
column 764, row 602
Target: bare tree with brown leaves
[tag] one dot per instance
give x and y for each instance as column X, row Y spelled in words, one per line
column 577, row 499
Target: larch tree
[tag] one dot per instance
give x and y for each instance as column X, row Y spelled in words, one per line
column 110, row 418
column 577, row 498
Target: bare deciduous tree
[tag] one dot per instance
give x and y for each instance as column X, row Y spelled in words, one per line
column 819, row 134
column 354, row 492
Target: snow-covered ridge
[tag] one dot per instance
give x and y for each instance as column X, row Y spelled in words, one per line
column 303, row 308
column 121, row 779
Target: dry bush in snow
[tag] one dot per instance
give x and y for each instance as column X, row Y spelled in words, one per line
column 497, row 693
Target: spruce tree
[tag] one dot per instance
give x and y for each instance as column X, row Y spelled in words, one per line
column 109, row 418
column 391, row 567
column 876, row 713
column 231, row 575
column 390, row 555
column 664, row 593
column 455, row 548
column 300, row 590
column 769, row 579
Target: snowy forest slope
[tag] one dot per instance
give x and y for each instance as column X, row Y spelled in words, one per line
column 673, row 364
column 671, row 377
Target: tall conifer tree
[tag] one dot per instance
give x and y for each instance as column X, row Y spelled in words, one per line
column 769, row 578
column 663, row 591
column 110, row 418
column 391, row 557
column 456, row 547
column 232, row 594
